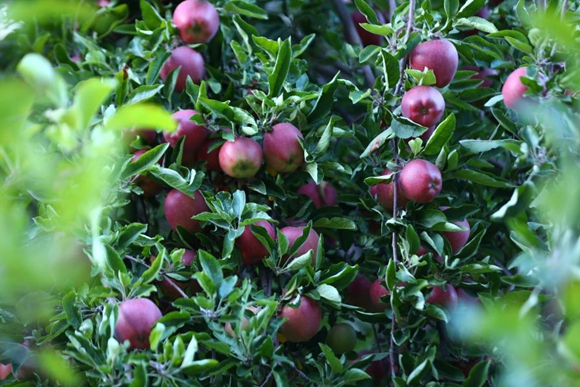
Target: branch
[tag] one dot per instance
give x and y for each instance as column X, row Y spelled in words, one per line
column 403, row 61
column 169, row 280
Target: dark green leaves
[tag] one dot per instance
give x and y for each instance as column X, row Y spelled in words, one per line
column 278, row 76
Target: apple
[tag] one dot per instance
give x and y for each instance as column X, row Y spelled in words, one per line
column 367, row 38
column 322, row 195
column 282, row 151
column 384, row 194
column 378, row 370
column 311, row 242
column 166, row 284
column 5, row 371
column 241, row 158
column 341, row 338
column 513, row 89
column 376, row 292
column 422, row 251
column 136, row 319
column 191, row 63
column 458, row 239
column 179, row 208
column 196, row 20
column 358, row 293
column 253, row 251
column 482, row 73
column 423, row 105
column 147, row 136
column 445, row 296
column 420, row 181
column 465, row 298
column 437, row 55
column 150, row 188
column 195, row 135
column 211, row 158
column 303, row 321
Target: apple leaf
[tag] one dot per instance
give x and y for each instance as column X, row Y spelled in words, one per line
column 441, row 136
column 278, row 76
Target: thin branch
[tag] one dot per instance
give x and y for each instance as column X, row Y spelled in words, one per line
column 169, row 280
column 410, row 23
column 564, row 6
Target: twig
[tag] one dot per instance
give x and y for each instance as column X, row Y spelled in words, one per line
column 564, row 6
column 268, row 378
column 169, row 280
column 403, row 61
column 352, row 37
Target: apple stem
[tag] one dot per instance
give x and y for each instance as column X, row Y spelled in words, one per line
column 169, row 280
column 402, row 63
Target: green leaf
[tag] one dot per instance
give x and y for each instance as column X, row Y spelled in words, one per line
column 89, row 96
column 329, row 293
column 324, row 141
column 147, row 160
column 470, row 8
column 335, row 364
column 520, row 201
column 441, row 136
column 278, row 77
column 299, row 262
column 144, row 93
column 482, row 178
column 367, row 11
column 336, row 223
column 481, row 146
column 150, row 15
column 391, row 69
column 325, row 100
column 368, row 53
column 211, row 267
column 149, row 275
column 354, row 375
column 478, row 375
column 477, row 23
column 114, row 260
column 245, row 8
column 129, row 233
column 190, row 352
column 523, row 47
column 142, row 116
column 405, row 128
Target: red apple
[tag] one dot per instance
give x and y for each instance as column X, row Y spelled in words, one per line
column 423, row 105
column 458, row 239
column 322, row 195
column 311, row 242
column 378, row 370
column 437, row 55
column 367, row 38
column 303, row 322
column 482, row 73
column 149, row 187
column 253, row 251
column 282, row 151
column 420, row 181
column 513, row 89
column 5, row 371
column 384, row 194
column 191, row 63
column 147, row 136
column 376, row 292
column 358, row 293
column 422, row 251
column 445, row 296
column 197, row 21
column 241, row 158
column 136, row 319
column 341, row 338
column 211, row 158
column 195, row 135
column 179, row 208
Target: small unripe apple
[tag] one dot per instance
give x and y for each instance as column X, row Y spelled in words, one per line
column 282, row 151
column 458, row 239
column 367, row 38
column 5, row 371
column 420, row 181
column 423, row 105
column 303, row 322
column 322, row 195
column 241, row 158
column 253, row 251
column 384, row 194
column 376, row 292
column 197, row 21
column 150, row 188
column 358, row 293
column 513, row 89
column 311, row 242
column 179, row 208
column 341, row 338
column 191, row 63
column 437, row 55
column 136, row 319
column 445, row 296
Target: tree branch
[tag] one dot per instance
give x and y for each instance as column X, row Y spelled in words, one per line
column 169, row 280
column 410, row 23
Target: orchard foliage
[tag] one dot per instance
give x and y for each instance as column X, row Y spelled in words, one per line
column 269, row 190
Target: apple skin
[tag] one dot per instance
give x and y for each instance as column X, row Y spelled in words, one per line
column 384, row 194
column 358, row 293
column 367, row 38
column 420, row 181
column 149, row 187
column 341, row 338
column 197, row 21
column 179, row 208
column 423, row 105
column 311, row 243
column 253, row 251
column 192, row 65
column 303, row 322
column 322, row 195
column 136, row 318
column 5, row 371
column 241, row 158
column 513, row 89
column 282, row 151
column 195, row 135
column 458, row 239
column 445, row 296
column 376, row 292
column 438, row 55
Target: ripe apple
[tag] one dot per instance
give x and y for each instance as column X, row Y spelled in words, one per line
column 445, row 296
column 253, row 251
column 282, row 151
column 191, row 63
column 341, row 338
column 423, row 105
column 437, row 55
column 211, row 158
column 376, row 292
column 422, row 251
column 513, row 89
column 241, row 158
column 303, row 322
column 384, row 194
column 358, row 293
column 311, row 243
column 179, row 208
column 367, row 38
column 378, row 370
column 322, row 195
column 420, row 181
column 136, row 319
column 149, row 187
column 197, row 21
column 458, row 239
column 5, row 371
column 194, row 134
